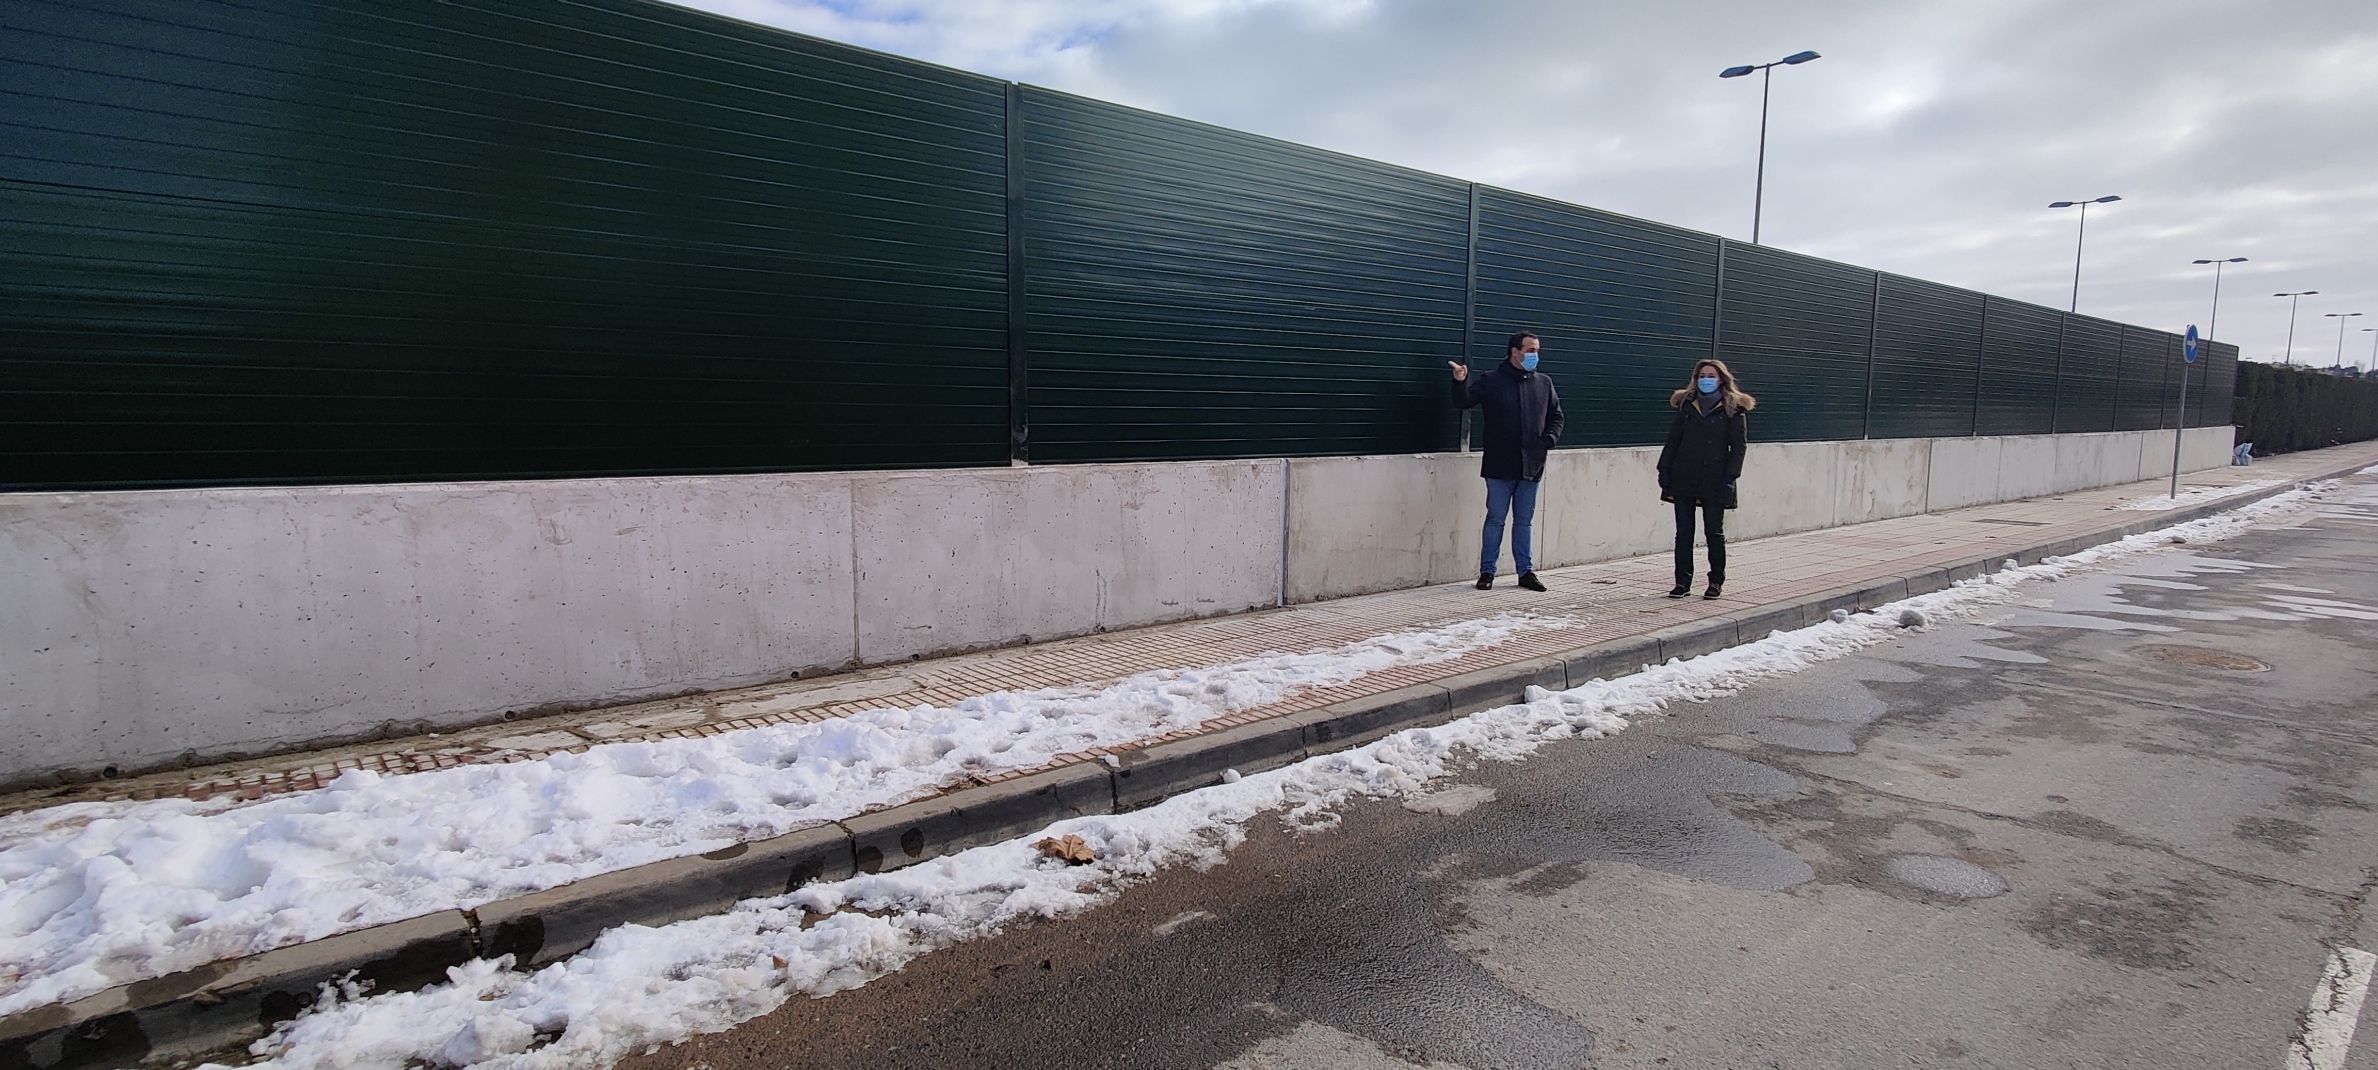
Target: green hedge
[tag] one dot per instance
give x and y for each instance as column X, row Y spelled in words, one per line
column 2282, row 409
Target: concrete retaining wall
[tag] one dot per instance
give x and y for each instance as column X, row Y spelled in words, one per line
column 1353, row 527
column 2027, row 469
column 1363, row 524
column 150, row 628
column 1786, row 486
column 949, row 561
column 1881, row 479
column 1966, row 471
column 2200, row 448
column 2097, row 460
column 2206, row 447
column 1596, row 505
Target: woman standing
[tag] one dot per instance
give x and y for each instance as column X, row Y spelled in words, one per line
column 1699, row 465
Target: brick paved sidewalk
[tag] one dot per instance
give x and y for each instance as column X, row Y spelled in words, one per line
column 1613, row 600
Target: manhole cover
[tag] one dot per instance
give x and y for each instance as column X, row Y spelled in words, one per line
column 2201, row 658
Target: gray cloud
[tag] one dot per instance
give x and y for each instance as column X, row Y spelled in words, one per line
column 1927, row 141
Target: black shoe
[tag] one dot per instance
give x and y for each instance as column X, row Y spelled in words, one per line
column 1529, row 581
column 1713, row 590
column 1680, row 590
column 1486, row 581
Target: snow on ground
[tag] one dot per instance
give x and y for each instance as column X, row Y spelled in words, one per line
column 640, row 987
column 118, row 892
column 2199, row 496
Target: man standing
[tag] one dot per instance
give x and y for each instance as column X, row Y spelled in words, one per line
column 1520, row 425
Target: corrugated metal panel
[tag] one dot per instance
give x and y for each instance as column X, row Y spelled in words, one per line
column 354, row 242
column 2194, row 415
column 1927, row 360
column 1624, row 308
column 266, row 241
column 2085, row 390
column 1199, row 292
column 2211, row 380
column 2174, row 367
column 2019, row 344
column 1797, row 331
column 2139, row 386
column 2215, row 391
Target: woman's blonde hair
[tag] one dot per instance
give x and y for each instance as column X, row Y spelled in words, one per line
column 1729, row 393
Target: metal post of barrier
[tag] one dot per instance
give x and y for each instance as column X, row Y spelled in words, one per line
column 1874, row 337
column 1469, row 318
column 1019, row 372
column 1981, row 360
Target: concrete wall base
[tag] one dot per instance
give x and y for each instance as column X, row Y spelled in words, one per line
column 148, row 629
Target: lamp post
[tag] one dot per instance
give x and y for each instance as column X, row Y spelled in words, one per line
column 2078, row 239
column 2291, row 302
column 2214, row 325
column 2373, row 361
column 1766, row 80
column 2340, row 317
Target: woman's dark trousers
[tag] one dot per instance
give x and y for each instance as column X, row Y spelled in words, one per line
column 1713, row 526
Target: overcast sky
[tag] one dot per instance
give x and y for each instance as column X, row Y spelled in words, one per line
column 1927, row 141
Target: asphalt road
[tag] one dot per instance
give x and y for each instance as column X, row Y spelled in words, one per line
column 2120, row 824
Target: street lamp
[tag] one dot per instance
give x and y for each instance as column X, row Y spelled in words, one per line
column 2215, row 324
column 2340, row 317
column 1766, row 78
column 2076, row 244
column 2365, row 369
column 2291, row 300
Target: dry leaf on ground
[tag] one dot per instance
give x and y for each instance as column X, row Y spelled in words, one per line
column 1071, row 849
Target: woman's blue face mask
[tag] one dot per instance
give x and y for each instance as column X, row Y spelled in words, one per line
column 1709, row 384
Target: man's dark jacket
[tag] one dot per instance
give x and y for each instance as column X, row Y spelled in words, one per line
column 1521, row 420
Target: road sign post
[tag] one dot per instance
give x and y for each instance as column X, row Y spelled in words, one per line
column 2180, row 425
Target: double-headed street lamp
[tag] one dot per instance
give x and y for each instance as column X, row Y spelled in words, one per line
column 2291, row 301
column 2076, row 244
column 2213, row 326
column 2340, row 317
column 1766, row 79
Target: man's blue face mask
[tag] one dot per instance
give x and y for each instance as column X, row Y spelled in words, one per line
column 1528, row 361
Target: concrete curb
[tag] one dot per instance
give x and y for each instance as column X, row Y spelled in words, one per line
column 225, row 1003
column 218, row 1007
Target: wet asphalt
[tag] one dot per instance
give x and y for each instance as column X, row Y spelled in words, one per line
column 2114, row 824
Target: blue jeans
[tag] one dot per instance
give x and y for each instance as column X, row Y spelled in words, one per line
column 1517, row 497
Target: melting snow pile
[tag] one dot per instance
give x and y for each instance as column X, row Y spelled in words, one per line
column 640, row 987
column 2198, row 496
column 97, row 895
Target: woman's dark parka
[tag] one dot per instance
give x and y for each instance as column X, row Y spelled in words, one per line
column 1703, row 456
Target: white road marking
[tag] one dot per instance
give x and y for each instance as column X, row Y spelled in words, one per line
column 2335, row 1009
